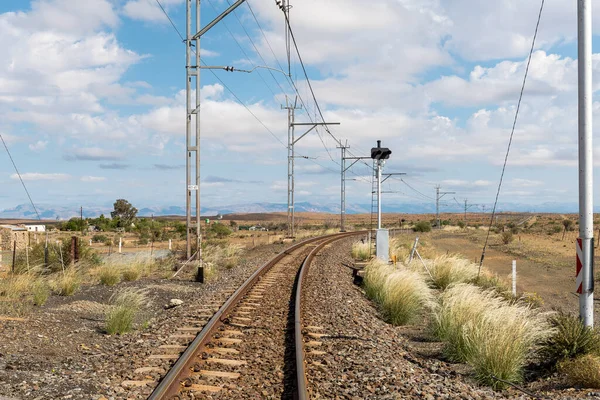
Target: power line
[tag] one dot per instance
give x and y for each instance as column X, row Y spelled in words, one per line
column 511, row 135
column 243, row 51
column 223, row 83
column 415, row 190
column 20, row 177
column 255, row 48
column 265, row 36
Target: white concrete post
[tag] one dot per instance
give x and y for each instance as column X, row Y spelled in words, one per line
column 170, row 245
column 120, row 244
column 514, row 278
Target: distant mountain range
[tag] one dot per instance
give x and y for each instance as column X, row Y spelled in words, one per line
column 25, row 211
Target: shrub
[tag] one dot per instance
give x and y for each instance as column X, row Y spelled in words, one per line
column 219, row 230
column 15, row 286
column 405, row 295
column 584, row 371
column 109, row 275
column 376, row 274
column 461, row 224
column 446, row 270
column 555, row 229
column 507, row 237
column 67, row 283
column 488, row 280
column 99, row 238
column 570, row 339
column 361, row 251
column 422, row 226
column 125, row 307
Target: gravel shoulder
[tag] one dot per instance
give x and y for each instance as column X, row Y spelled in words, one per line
column 59, row 351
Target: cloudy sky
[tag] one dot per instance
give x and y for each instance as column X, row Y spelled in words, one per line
column 92, row 100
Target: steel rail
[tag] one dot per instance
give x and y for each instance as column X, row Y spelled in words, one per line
column 301, row 390
column 169, row 386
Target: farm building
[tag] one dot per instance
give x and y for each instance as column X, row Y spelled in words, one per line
column 36, row 228
column 9, row 234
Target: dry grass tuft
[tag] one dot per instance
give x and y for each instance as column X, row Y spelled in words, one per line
column 109, row 275
column 583, row 371
column 447, row 270
column 126, row 305
column 376, row 274
column 67, row 283
column 361, row 251
column 405, row 296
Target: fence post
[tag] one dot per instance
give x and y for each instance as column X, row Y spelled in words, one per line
column 514, row 278
column 74, row 250
column 170, row 245
column 14, row 256
column 120, row 244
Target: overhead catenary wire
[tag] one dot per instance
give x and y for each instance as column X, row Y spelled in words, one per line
column 223, row 83
column 20, row 178
column 511, row 136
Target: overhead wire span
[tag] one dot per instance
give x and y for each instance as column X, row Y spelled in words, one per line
column 415, row 190
column 20, row 177
column 223, row 83
column 511, row 136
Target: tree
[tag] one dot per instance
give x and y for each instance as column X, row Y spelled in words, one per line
column 123, row 212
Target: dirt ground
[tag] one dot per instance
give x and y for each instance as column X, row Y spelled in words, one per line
column 545, row 264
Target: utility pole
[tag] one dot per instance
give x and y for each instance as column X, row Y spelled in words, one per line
column 467, row 206
column 379, row 155
column 343, row 181
column 292, row 155
column 192, row 164
column 438, row 196
column 585, row 242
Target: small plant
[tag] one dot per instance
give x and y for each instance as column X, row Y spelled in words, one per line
column 570, row 339
column 584, row 371
column 109, row 275
column 532, row 299
column 405, row 295
column 67, row 283
column 131, row 273
column 422, row 226
column 507, row 237
column 40, row 292
column 361, row 251
column 124, row 309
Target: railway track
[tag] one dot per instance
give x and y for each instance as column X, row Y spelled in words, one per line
column 253, row 346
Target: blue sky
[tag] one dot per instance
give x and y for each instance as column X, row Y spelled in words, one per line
column 92, row 101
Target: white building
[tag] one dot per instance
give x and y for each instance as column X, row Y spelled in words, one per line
column 36, row 228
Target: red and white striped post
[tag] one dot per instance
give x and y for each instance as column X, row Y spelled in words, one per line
column 585, row 242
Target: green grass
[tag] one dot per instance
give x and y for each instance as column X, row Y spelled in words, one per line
column 124, row 310
column 570, row 338
column 40, row 292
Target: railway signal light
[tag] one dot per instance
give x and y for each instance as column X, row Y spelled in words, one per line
column 380, row 153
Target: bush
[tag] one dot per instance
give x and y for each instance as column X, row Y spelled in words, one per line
column 67, row 283
column 461, row 224
column 125, row 307
column 361, row 251
column 422, row 226
column 570, row 339
column 446, row 270
column 555, row 229
column 98, row 238
column 109, row 275
column 405, row 295
column 507, row 237
column 584, row 371
column 219, row 230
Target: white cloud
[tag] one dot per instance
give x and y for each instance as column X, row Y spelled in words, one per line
column 37, row 176
column 38, row 146
column 94, row 154
column 92, row 179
